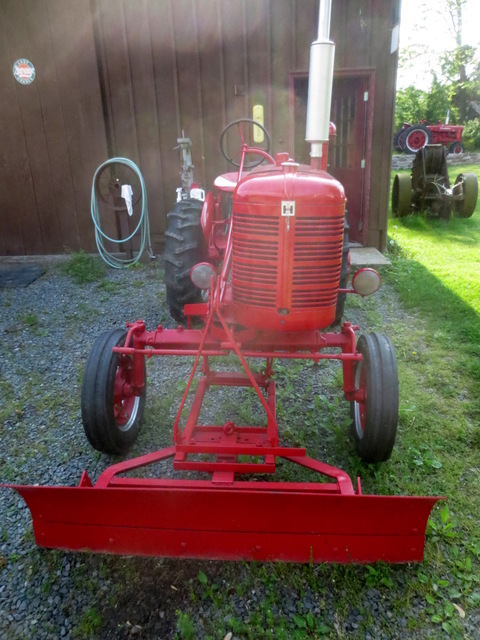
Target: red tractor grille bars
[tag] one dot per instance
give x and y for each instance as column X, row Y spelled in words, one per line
column 255, row 258
column 316, row 262
column 287, row 253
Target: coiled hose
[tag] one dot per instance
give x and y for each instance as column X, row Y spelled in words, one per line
column 143, row 225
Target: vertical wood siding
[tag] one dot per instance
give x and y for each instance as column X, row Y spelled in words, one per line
column 51, row 131
column 126, row 77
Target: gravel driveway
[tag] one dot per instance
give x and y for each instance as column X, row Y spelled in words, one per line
column 47, row 330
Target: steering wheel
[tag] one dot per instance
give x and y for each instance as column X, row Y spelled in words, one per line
column 248, row 131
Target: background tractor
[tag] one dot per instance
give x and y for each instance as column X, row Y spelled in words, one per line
column 427, row 188
column 411, row 138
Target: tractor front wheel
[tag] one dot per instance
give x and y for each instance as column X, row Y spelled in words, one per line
column 184, row 248
column 456, row 148
column 111, row 413
column 375, row 413
column 465, row 208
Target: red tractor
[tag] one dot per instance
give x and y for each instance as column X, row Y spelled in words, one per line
column 412, row 138
column 258, row 271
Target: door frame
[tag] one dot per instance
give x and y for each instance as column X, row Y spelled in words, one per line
column 368, row 74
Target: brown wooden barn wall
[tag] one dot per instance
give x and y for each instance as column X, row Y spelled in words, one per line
column 125, row 77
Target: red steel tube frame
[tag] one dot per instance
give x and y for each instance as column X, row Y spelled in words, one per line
column 224, row 517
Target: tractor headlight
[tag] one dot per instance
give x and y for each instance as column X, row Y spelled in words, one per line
column 201, row 275
column 366, row 281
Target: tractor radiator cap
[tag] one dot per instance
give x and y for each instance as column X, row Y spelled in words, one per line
column 290, row 167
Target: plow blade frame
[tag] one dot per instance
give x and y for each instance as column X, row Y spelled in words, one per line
column 227, row 519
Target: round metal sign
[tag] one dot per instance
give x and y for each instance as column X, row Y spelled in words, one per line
column 23, row 71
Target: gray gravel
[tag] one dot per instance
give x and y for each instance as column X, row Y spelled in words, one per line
column 46, row 332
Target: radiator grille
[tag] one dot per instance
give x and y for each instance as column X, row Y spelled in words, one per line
column 254, row 260
column 315, row 269
column 317, row 262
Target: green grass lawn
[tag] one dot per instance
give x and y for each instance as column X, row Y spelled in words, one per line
column 449, row 250
column 436, row 271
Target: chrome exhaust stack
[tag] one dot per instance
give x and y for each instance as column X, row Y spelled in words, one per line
column 322, row 54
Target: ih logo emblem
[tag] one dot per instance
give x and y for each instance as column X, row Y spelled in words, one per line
column 288, row 208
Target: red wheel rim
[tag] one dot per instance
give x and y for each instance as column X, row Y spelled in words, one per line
column 416, row 139
column 125, row 403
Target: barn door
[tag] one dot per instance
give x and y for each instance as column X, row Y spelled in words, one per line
column 348, row 158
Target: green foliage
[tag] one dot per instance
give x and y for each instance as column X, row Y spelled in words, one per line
column 185, row 626
column 410, row 106
column 438, row 103
column 459, row 82
column 209, row 590
column 461, row 68
column 202, row 578
column 30, row 319
column 84, row 268
column 414, row 105
column 379, row 575
column 443, row 530
column 471, row 134
column 89, row 624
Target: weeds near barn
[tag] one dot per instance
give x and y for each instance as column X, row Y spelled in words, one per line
column 84, row 268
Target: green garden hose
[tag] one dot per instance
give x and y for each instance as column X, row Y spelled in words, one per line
column 143, row 226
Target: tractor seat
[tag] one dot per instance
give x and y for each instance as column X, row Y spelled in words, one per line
column 226, row 182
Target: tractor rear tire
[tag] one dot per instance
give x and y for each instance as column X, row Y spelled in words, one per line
column 401, row 140
column 401, row 195
column 375, row 417
column 184, row 248
column 396, row 136
column 111, row 414
column 465, row 208
column 416, row 137
column 431, row 160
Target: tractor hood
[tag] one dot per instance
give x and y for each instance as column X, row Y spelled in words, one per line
column 290, row 181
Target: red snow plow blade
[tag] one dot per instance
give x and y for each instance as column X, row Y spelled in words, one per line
column 227, row 519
